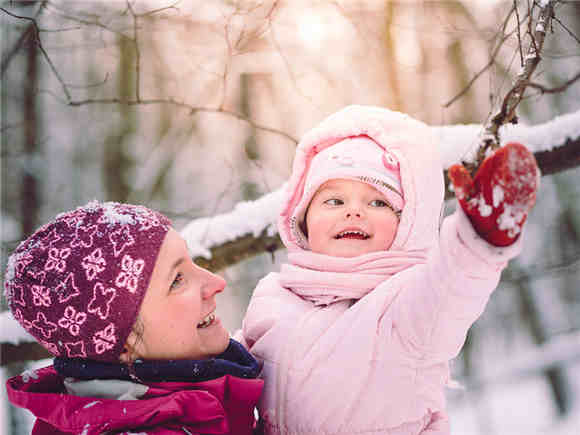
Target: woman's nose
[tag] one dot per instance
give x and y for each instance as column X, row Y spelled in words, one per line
column 214, row 284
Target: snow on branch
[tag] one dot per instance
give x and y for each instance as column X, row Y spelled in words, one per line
column 220, row 241
column 250, row 228
column 250, row 225
column 507, row 113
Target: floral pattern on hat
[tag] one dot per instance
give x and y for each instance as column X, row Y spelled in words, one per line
column 77, row 283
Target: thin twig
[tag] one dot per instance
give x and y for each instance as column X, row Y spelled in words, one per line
column 95, row 23
column 90, row 85
column 192, row 110
column 556, row 90
column 566, row 29
column 36, row 34
column 7, row 58
column 519, row 35
column 138, row 101
column 489, row 63
column 156, row 11
column 490, row 138
column 479, row 73
column 135, row 41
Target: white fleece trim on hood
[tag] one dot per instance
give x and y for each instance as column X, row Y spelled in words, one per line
column 409, row 140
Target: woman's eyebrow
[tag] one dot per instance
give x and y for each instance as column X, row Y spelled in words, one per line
column 174, row 266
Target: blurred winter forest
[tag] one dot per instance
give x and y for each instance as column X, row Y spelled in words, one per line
column 193, row 106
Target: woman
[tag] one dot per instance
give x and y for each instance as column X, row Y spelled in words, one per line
column 110, row 291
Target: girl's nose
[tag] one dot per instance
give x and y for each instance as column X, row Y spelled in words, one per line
column 353, row 211
column 213, row 285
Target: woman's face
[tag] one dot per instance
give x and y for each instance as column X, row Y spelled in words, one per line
column 178, row 310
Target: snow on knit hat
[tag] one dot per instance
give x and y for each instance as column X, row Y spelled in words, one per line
column 77, row 283
column 355, row 158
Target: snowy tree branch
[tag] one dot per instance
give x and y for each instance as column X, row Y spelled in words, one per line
column 512, row 99
column 212, row 244
column 246, row 246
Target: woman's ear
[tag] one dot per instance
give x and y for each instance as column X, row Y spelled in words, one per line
column 125, row 355
column 128, row 355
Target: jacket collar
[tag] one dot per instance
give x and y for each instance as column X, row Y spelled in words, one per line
column 235, row 361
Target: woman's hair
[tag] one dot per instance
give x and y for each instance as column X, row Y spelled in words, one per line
column 139, row 331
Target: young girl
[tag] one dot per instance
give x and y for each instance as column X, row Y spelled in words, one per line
column 110, row 291
column 357, row 330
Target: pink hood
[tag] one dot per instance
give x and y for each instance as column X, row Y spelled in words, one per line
column 408, row 140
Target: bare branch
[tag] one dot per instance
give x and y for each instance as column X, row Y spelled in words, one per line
column 135, row 41
column 489, row 63
column 519, row 34
column 86, row 22
column 192, row 109
column 36, row 35
column 8, row 56
column 566, row 29
column 557, row 159
column 555, row 90
column 90, row 85
column 516, row 93
column 561, row 157
column 156, row 11
column 479, row 73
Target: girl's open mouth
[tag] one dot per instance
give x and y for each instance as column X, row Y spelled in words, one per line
column 350, row 234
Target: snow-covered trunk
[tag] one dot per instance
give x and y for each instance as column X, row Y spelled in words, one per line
column 117, row 161
column 546, row 316
column 30, row 188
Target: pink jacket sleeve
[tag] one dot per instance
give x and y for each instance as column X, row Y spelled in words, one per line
column 439, row 301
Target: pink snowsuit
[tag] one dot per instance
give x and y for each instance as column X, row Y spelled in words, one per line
column 361, row 345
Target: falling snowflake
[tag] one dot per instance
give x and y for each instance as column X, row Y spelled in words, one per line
column 27, row 375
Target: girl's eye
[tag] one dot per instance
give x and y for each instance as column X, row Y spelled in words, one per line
column 334, row 201
column 378, row 203
column 177, row 281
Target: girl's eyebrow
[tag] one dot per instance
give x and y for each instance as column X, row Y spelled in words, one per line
column 328, row 189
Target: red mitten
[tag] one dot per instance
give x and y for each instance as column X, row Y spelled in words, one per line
column 497, row 200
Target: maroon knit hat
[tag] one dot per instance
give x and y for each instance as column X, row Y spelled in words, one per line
column 78, row 282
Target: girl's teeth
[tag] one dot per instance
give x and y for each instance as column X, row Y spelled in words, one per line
column 208, row 320
column 352, row 234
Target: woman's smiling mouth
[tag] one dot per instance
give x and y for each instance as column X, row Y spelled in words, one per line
column 207, row 320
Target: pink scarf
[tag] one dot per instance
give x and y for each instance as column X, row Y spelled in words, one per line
column 323, row 280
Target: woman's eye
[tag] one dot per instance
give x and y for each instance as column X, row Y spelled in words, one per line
column 334, row 201
column 177, row 281
column 378, row 203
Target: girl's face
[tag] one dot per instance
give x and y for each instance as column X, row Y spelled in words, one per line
column 178, row 310
column 347, row 218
